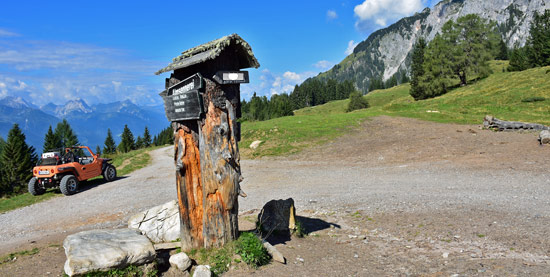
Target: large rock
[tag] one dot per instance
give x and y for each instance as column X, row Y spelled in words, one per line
column 180, row 261
column 159, row 224
column 544, row 137
column 106, row 249
column 278, row 216
column 202, row 271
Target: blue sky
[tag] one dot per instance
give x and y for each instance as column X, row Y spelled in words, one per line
column 104, row 51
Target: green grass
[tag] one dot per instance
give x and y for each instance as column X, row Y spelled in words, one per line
column 11, row 256
column 499, row 95
column 125, row 163
column 26, row 199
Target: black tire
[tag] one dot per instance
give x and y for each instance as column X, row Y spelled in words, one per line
column 34, row 187
column 109, row 174
column 68, row 185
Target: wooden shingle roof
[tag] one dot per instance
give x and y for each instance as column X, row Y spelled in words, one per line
column 212, row 50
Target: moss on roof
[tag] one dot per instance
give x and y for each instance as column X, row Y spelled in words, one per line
column 210, row 51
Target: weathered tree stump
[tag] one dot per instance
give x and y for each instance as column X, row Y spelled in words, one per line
column 206, row 132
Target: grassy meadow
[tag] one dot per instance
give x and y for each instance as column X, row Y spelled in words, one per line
column 499, row 95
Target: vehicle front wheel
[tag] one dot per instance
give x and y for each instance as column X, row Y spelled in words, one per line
column 34, row 187
column 109, row 174
column 68, row 185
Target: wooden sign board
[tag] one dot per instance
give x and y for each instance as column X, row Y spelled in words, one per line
column 183, row 100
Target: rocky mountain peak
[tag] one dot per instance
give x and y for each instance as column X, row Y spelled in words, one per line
column 386, row 52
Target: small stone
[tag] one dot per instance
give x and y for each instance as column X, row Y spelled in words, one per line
column 181, row 261
column 456, row 237
column 255, row 144
column 356, row 256
column 300, row 259
column 473, row 255
column 362, row 237
column 202, row 271
column 445, row 255
column 352, row 236
column 455, row 275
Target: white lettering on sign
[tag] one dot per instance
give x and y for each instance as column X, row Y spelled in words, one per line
column 180, row 110
column 184, row 89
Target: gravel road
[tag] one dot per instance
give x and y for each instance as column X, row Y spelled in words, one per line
column 107, row 205
column 452, row 199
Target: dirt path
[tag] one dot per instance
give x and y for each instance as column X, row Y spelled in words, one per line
column 396, row 197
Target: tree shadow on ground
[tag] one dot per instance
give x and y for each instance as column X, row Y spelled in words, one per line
column 308, row 225
column 90, row 184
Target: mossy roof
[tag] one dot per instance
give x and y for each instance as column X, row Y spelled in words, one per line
column 210, row 51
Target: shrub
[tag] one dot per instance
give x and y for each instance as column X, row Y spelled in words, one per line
column 533, row 99
column 357, row 102
column 251, row 250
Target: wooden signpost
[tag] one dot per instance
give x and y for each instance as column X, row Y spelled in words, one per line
column 202, row 100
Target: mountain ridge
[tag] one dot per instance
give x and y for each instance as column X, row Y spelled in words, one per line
column 386, row 52
column 90, row 122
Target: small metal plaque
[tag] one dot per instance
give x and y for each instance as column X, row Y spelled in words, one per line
column 183, row 100
column 231, row 77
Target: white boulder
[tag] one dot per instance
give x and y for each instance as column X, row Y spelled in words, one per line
column 106, row 249
column 160, row 224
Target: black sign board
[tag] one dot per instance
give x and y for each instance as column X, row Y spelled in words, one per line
column 183, row 100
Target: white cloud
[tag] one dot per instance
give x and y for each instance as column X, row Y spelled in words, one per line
column 351, row 45
column 275, row 83
column 323, row 65
column 331, row 15
column 291, row 76
column 382, row 11
column 49, row 70
column 3, row 90
column 5, row 33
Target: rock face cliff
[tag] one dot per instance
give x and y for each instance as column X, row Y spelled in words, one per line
column 386, row 52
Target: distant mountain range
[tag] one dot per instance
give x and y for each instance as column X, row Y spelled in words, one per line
column 386, row 52
column 89, row 122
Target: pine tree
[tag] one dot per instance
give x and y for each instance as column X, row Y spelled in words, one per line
column 538, row 43
column 109, row 144
column 2, row 144
column 471, row 43
column 127, row 142
column 357, row 102
column 66, row 135
column 417, row 68
column 139, row 143
column 518, row 60
column 502, row 51
column 17, row 160
column 51, row 141
column 146, row 138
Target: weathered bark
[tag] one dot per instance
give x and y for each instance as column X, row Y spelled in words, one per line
column 220, row 168
column 189, row 187
column 490, row 122
column 208, row 170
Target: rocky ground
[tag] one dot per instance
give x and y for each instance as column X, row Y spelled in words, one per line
column 395, row 197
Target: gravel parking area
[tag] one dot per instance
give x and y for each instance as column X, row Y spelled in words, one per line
column 395, row 197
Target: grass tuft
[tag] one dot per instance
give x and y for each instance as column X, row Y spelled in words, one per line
column 251, row 250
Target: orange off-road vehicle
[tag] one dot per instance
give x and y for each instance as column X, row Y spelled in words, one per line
column 66, row 167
